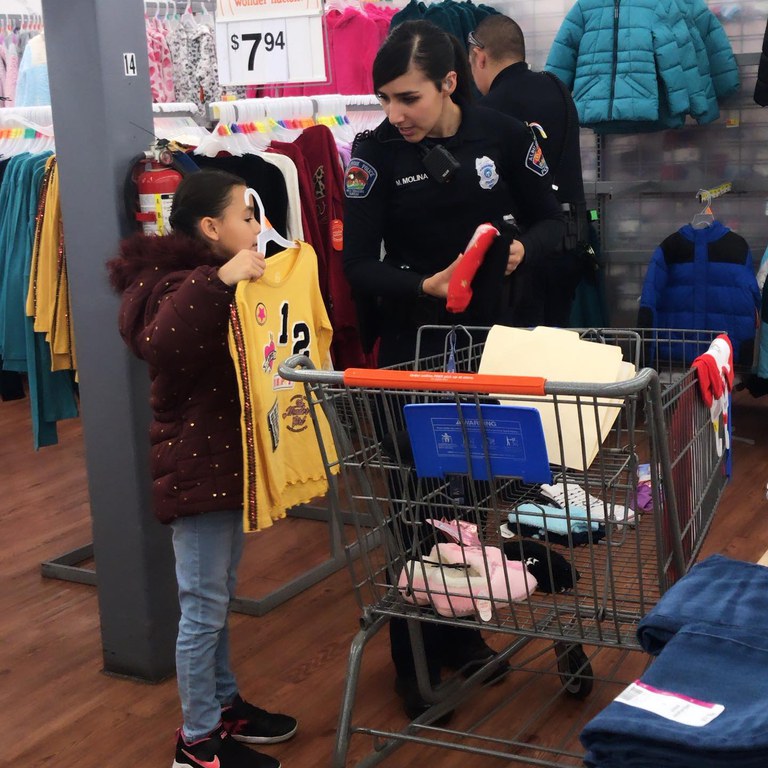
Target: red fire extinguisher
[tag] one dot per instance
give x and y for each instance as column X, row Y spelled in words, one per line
column 156, row 184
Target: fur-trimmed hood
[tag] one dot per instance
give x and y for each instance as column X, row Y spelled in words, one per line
column 141, row 254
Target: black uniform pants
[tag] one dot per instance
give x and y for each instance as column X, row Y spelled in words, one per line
column 441, row 642
column 542, row 290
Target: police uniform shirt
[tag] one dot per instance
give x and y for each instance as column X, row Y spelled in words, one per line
column 425, row 224
column 536, row 97
column 279, row 315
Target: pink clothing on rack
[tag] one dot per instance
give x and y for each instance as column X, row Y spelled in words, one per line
column 353, row 40
column 381, row 16
column 2, row 71
column 11, row 71
column 160, row 62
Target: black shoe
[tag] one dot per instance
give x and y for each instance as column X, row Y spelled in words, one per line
column 470, row 657
column 218, row 751
column 407, row 688
column 252, row 725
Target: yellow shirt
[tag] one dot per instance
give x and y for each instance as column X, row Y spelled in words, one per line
column 279, row 315
column 48, row 299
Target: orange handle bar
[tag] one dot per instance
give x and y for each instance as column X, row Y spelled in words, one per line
column 449, row 382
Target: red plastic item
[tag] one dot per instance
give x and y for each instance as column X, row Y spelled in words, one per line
column 460, row 285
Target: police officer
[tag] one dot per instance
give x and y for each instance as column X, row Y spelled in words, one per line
column 501, row 74
column 420, row 183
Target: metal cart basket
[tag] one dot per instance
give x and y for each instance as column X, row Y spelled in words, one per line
column 448, row 482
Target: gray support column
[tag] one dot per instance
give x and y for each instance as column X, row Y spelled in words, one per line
column 96, row 113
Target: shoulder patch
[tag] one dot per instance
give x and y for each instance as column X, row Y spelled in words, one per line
column 534, row 160
column 359, row 178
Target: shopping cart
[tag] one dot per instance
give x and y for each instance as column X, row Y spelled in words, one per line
column 443, row 471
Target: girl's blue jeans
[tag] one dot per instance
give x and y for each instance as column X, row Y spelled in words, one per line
column 208, row 548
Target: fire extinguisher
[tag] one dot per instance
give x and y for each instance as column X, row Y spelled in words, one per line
column 150, row 186
column 156, row 185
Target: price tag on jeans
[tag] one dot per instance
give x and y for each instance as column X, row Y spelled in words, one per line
column 270, row 50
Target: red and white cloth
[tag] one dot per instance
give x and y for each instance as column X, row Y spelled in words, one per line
column 715, row 371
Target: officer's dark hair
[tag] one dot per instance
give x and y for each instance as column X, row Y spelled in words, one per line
column 200, row 194
column 425, row 46
column 501, row 37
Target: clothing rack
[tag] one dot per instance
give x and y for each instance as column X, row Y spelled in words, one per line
column 308, row 106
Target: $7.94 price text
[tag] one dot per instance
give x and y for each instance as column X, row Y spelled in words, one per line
column 268, row 42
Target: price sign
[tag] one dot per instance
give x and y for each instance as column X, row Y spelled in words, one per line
column 258, row 52
column 270, row 50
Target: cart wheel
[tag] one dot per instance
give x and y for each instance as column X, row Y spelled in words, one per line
column 575, row 670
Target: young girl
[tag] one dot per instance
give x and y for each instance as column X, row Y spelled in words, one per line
column 177, row 291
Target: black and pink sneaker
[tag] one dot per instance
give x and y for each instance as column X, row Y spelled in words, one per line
column 218, row 750
column 252, row 725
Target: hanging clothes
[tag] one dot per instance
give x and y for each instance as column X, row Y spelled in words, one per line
column 11, row 75
column 160, row 61
column 668, row 60
column 703, row 279
column 457, row 18
column 204, row 65
column 307, row 208
column 294, row 227
column 183, row 79
column 261, row 175
column 318, row 146
column 48, row 299
column 23, row 200
column 33, row 88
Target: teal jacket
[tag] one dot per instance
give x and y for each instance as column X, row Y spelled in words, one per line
column 640, row 65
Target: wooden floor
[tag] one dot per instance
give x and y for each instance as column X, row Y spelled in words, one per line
column 58, row 709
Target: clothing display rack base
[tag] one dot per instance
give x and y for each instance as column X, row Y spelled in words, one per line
column 69, row 567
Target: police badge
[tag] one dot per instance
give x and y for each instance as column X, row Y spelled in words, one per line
column 486, row 170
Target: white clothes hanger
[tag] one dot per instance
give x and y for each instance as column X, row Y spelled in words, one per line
column 705, row 218
column 268, row 233
column 206, row 17
column 188, row 18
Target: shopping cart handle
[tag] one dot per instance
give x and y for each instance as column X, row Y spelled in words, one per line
column 450, row 382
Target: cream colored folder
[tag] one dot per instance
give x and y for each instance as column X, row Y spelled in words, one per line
column 560, row 355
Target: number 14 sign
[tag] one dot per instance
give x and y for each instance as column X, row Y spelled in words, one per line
column 276, row 50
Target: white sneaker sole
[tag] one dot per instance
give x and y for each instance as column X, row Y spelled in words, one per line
column 264, row 739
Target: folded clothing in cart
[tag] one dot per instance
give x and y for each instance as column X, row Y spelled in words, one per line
column 702, row 704
column 552, row 571
column 719, row 592
column 542, row 521
column 462, row 581
column 575, row 495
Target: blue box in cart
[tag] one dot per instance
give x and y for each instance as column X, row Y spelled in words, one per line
column 509, row 438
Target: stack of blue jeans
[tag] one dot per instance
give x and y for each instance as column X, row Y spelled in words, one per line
column 710, row 632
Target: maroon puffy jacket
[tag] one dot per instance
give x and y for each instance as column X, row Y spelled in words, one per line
column 174, row 314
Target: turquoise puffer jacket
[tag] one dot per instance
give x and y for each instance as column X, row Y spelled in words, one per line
column 722, row 63
column 643, row 64
column 609, row 52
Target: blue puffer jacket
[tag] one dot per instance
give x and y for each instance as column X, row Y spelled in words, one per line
column 703, row 279
column 631, row 62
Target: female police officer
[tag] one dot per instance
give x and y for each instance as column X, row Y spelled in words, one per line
column 421, row 183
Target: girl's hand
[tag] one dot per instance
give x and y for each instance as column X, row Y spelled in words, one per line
column 516, row 255
column 244, row 265
column 437, row 285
